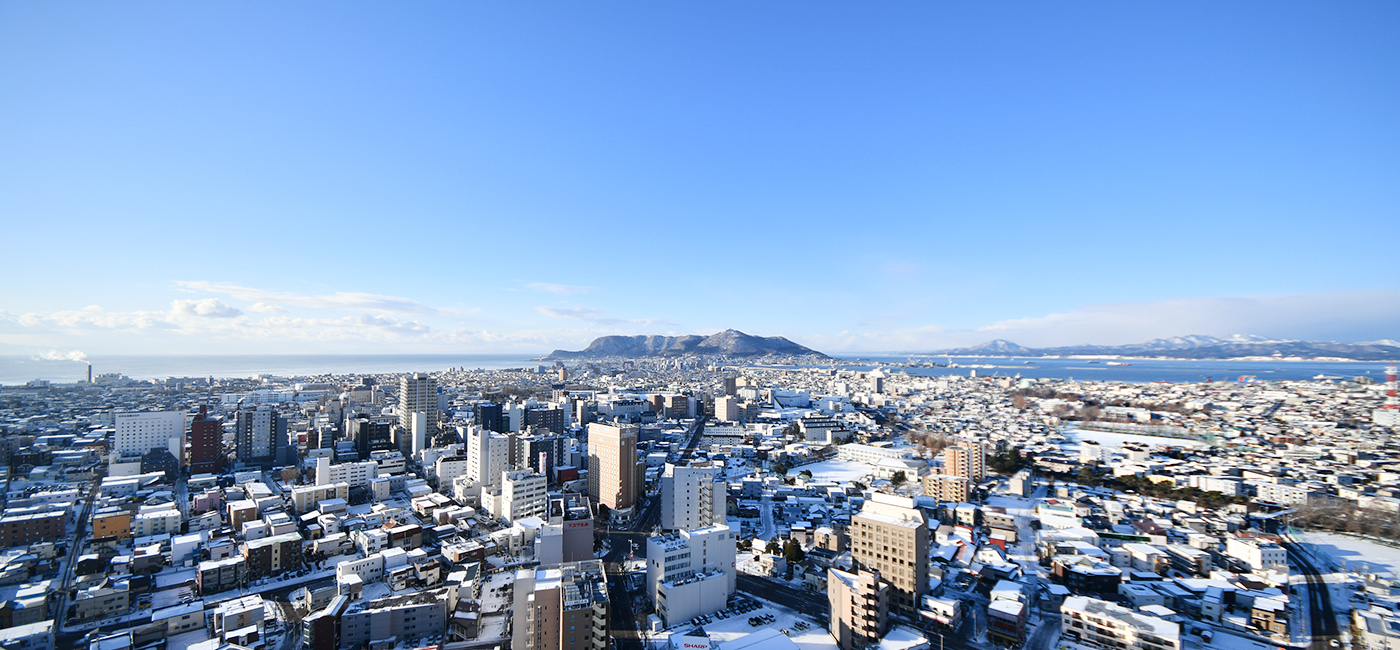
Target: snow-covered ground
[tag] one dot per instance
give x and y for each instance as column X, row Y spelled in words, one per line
column 1355, row 553
column 840, row 471
column 1110, row 439
column 815, row 637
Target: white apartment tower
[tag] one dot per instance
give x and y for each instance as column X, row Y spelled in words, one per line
column 138, row 433
column 692, row 496
column 488, row 456
column 727, row 409
column 418, row 394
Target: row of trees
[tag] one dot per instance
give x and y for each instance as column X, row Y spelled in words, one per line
column 1343, row 516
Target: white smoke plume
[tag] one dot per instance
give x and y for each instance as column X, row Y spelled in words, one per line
column 58, row 355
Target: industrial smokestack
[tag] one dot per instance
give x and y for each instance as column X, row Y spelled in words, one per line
column 89, row 373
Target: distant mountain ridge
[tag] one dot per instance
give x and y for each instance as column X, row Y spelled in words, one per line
column 1197, row 346
column 732, row 343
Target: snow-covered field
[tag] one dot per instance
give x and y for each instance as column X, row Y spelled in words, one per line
column 841, row 471
column 1357, row 554
column 1110, row 439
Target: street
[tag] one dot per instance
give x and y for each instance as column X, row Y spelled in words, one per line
column 1322, row 618
column 624, row 623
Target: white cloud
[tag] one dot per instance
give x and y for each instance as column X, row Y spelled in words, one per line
column 557, row 289
column 206, row 308
column 265, row 308
column 599, row 317
column 339, row 301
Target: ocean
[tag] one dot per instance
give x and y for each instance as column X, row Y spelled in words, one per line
column 18, row 370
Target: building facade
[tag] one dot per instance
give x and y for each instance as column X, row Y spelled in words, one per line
column 612, row 465
column 890, row 535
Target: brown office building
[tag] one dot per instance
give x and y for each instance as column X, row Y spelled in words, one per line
column 612, row 465
column 23, row 530
column 206, row 443
column 272, row 555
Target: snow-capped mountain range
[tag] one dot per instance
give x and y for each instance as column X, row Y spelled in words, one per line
column 1198, row 346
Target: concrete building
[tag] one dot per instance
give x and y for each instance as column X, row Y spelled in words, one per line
column 561, row 608
column 26, row 529
column 523, row 494
column 488, row 457
column 693, row 495
column 1100, row 623
column 890, row 535
column 418, row 393
column 31, row 636
column 305, row 498
column 355, row 474
column 967, row 461
column 870, row 454
column 955, row 489
column 272, row 555
column 138, row 433
column 612, row 466
column 206, row 443
column 260, row 433
column 1256, row 552
column 691, row 573
column 859, row 605
column 727, row 409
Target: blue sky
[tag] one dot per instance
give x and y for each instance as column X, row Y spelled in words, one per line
column 502, row 177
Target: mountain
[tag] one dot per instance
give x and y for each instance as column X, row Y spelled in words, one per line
column 731, row 343
column 1196, row 346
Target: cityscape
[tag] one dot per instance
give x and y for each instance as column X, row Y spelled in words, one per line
column 699, row 501
column 784, row 325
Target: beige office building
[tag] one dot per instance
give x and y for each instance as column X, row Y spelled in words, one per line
column 890, row 536
column 612, row 465
column 859, row 607
column 966, row 460
column 561, row 608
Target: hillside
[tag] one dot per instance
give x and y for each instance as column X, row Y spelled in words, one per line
column 730, row 343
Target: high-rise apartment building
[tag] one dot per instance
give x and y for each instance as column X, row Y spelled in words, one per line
column 490, row 416
column 138, row 433
column 561, row 608
column 261, row 433
column 418, row 394
column 890, row 535
column 551, row 418
column 488, row 456
column 859, row 608
column 966, row 460
column 206, row 443
column 727, row 409
column 693, row 496
column 612, row 465
column 370, row 433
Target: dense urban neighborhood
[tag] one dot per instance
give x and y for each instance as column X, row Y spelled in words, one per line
column 698, row 502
